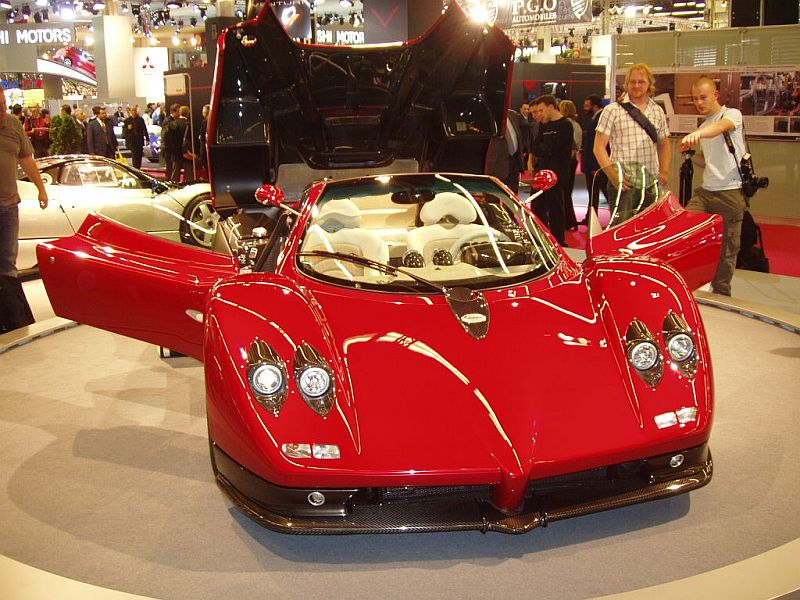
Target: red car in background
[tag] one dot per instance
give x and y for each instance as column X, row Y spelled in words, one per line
column 77, row 59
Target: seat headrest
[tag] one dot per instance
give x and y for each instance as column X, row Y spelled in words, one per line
column 338, row 214
column 448, row 203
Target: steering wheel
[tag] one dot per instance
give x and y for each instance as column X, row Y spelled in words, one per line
column 466, row 239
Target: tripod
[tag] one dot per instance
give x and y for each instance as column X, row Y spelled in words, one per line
column 686, row 176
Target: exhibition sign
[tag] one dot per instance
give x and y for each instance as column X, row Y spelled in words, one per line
column 508, row 14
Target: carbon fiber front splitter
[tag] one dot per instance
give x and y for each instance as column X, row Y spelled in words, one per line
column 321, row 511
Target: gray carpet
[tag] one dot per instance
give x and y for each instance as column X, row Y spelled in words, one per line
column 106, row 479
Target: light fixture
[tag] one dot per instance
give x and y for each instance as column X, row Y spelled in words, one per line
column 5, row 4
column 98, row 5
column 173, row 4
column 346, row 3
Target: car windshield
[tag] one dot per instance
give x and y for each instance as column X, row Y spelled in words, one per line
column 631, row 190
column 448, row 229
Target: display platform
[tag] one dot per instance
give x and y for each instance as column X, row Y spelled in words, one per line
column 106, row 480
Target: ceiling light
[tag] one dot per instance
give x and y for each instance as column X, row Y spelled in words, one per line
column 98, row 5
column 346, row 3
column 5, row 4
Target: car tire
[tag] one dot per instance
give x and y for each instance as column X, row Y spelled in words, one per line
column 199, row 212
column 68, row 62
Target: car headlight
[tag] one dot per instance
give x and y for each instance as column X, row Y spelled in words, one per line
column 314, row 379
column 266, row 374
column 315, row 382
column 266, row 380
column 681, row 344
column 643, row 353
column 680, row 347
column 643, row 356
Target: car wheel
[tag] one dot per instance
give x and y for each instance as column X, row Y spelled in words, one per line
column 199, row 222
column 68, row 62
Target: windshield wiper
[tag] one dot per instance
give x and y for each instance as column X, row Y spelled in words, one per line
column 374, row 264
column 469, row 307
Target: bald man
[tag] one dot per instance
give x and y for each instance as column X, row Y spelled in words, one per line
column 721, row 192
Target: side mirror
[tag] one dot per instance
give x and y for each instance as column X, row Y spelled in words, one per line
column 270, row 195
column 543, row 180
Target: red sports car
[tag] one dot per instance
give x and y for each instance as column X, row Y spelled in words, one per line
column 403, row 350
column 76, row 58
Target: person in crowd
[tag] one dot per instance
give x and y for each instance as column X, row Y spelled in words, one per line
column 16, row 111
column 171, row 141
column 147, row 115
column 80, row 119
column 15, row 149
column 531, row 127
column 570, row 112
column 184, row 154
column 134, row 130
column 635, row 127
column 38, row 132
column 66, row 110
column 721, row 192
column 200, row 146
column 510, row 161
column 596, row 180
column 119, row 116
column 553, row 150
column 100, row 138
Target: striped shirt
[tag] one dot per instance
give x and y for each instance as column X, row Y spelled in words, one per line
column 629, row 141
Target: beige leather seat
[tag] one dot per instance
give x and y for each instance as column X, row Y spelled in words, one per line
column 447, row 218
column 337, row 229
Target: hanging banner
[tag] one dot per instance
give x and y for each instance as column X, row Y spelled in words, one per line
column 508, row 14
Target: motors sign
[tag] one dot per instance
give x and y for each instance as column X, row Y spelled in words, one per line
column 36, row 36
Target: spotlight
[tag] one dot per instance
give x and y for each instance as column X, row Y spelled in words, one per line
column 98, row 5
column 346, row 3
column 173, row 4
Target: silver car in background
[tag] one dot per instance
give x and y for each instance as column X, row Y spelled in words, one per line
column 80, row 184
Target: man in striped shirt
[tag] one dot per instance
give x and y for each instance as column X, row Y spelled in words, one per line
column 631, row 143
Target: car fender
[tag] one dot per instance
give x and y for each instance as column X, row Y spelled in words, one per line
column 647, row 290
column 274, row 309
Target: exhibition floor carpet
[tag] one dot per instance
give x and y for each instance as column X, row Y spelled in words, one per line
column 106, row 480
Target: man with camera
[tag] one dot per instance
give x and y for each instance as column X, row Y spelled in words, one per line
column 721, row 192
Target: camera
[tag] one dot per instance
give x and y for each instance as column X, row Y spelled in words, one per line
column 750, row 183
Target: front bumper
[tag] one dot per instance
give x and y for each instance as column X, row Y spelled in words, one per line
column 458, row 508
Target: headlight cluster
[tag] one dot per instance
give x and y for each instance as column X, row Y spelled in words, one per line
column 646, row 357
column 266, row 373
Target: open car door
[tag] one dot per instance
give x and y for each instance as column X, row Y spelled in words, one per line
column 648, row 220
column 122, row 280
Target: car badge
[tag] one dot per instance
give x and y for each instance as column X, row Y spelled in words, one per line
column 470, row 308
column 472, row 318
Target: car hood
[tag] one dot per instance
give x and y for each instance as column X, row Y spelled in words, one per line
column 340, row 107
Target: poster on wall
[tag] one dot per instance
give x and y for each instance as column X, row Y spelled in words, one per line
column 768, row 97
column 149, row 65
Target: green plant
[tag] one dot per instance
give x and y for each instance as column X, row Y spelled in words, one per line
column 66, row 136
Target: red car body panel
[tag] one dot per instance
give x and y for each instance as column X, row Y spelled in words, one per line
column 690, row 242
column 126, row 281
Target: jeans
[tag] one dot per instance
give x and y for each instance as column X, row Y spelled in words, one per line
column 9, row 239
